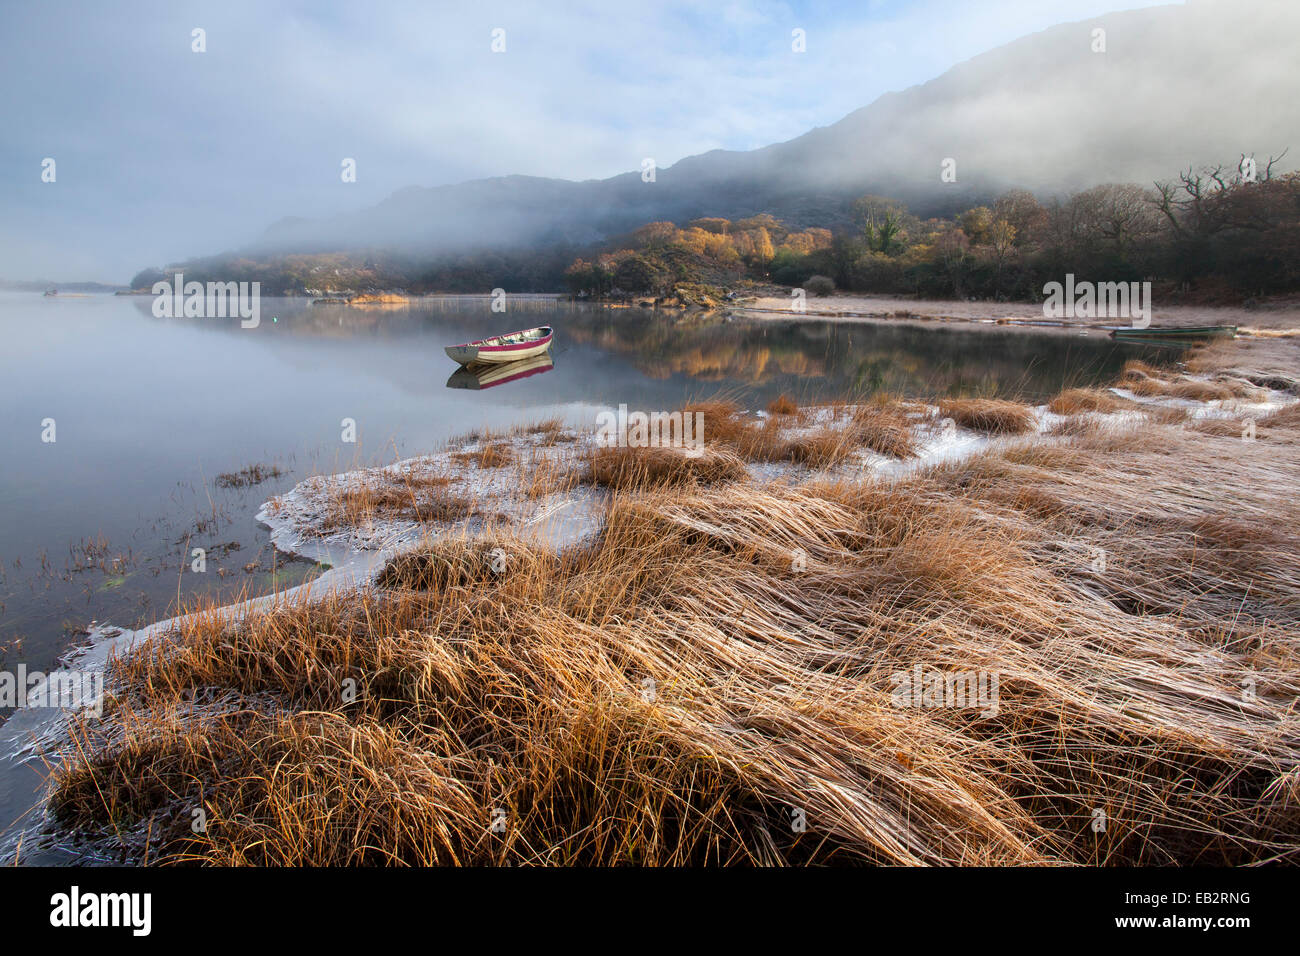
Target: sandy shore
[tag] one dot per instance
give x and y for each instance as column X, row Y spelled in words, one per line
column 842, row 307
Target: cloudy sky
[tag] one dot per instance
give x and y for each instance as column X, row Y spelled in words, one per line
column 163, row 153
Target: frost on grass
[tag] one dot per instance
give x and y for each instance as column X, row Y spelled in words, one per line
column 725, row 654
column 525, row 477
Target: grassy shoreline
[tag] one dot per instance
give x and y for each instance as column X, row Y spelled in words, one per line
column 713, row 677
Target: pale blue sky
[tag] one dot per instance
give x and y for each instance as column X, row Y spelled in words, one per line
column 163, row 153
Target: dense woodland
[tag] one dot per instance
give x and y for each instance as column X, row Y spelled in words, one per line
column 1216, row 234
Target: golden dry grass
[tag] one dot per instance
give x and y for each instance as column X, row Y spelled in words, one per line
column 783, row 405
column 1146, row 381
column 1135, row 367
column 994, row 416
column 1075, row 400
column 1288, row 417
column 623, row 469
column 413, row 493
column 1166, row 414
column 551, row 430
column 823, row 447
column 1271, row 363
column 885, row 429
column 725, row 427
column 880, row 424
column 540, row 475
column 1219, row 427
column 721, row 659
column 1199, row 391
column 1145, row 386
column 490, row 455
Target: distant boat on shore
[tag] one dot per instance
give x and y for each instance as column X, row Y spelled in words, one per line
column 511, row 347
column 1175, row 333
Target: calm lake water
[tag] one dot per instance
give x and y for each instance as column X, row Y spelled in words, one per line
column 99, row 524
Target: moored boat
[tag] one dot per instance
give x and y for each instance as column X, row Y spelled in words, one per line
column 1175, row 333
column 497, row 349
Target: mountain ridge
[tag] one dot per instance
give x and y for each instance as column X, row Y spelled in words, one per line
column 1085, row 117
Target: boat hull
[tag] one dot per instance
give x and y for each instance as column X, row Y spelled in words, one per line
column 1175, row 334
column 497, row 351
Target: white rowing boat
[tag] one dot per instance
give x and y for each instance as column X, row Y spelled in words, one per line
column 511, row 347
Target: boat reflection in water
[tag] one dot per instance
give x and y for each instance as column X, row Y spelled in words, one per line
column 480, row 376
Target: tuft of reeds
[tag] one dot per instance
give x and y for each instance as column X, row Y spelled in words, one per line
column 460, row 562
column 1072, row 401
column 881, row 425
column 1199, row 391
column 541, row 475
column 623, row 469
column 1288, row 417
column 1136, row 367
column 551, row 431
column 490, row 455
column 991, row 415
column 823, row 447
column 783, row 405
column 413, row 493
column 1146, row 381
column 1145, row 386
column 885, row 429
column 1166, row 414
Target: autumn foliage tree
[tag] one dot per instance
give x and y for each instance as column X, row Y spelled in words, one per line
column 1222, row 231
